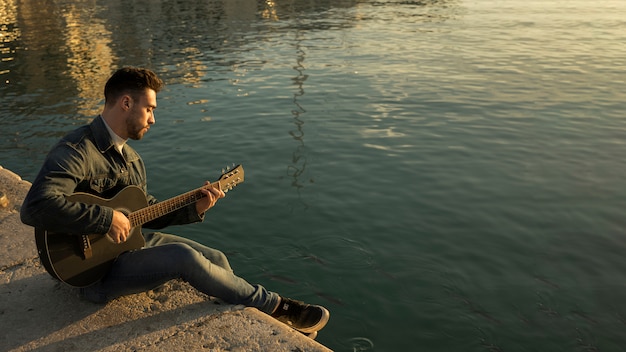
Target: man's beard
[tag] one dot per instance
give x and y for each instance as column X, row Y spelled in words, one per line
column 135, row 130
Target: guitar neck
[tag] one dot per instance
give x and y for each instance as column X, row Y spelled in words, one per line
column 155, row 211
column 226, row 182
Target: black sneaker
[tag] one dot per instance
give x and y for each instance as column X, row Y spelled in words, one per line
column 306, row 318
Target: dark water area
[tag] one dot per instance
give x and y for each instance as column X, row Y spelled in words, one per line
column 442, row 175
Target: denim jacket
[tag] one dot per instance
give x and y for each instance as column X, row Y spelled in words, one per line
column 86, row 160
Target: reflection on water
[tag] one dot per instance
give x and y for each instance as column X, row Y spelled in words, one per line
column 90, row 59
column 71, row 52
column 56, row 55
column 298, row 161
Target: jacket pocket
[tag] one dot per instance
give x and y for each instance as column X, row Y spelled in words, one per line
column 101, row 185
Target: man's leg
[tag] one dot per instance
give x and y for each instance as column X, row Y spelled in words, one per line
column 168, row 257
column 145, row 269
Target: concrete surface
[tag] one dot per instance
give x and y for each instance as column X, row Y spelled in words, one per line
column 38, row 313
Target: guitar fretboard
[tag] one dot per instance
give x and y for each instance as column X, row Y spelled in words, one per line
column 147, row 214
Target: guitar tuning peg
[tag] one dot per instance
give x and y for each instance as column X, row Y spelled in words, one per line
column 222, row 170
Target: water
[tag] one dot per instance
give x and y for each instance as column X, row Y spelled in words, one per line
column 442, row 175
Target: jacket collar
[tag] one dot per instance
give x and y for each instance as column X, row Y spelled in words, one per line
column 101, row 135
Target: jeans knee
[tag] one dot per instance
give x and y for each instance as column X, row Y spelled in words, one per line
column 220, row 259
column 183, row 253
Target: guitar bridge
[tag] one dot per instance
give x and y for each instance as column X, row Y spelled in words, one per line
column 86, row 245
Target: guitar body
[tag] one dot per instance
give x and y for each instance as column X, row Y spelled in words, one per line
column 81, row 260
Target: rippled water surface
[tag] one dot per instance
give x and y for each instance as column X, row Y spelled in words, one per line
column 442, row 175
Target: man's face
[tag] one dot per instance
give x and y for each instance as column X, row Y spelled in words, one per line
column 141, row 114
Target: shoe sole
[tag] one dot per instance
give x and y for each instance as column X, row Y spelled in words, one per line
column 319, row 326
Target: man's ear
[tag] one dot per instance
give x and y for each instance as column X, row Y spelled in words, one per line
column 126, row 102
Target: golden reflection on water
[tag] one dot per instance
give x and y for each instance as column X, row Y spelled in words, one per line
column 269, row 12
column 9, row 32
column 68, row 48
column 38, row 40
column 90, row 60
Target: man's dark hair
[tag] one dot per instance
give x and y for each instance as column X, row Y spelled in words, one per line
column 130, row 80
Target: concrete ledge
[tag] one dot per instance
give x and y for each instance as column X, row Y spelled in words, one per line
column 38, row 313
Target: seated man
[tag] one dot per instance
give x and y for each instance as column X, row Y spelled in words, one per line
column 95, row 159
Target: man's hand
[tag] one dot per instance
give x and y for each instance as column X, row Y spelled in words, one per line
column 120, row 227
column 212, row 194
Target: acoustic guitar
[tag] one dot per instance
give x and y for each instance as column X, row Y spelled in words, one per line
column 81, row 260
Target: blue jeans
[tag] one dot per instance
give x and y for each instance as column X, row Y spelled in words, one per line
column 166, row 257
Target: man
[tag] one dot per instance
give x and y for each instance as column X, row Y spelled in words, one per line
column 96, row 159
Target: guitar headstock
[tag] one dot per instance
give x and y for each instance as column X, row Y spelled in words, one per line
column 231, row 178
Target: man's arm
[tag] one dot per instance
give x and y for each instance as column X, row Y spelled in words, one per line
column 46, row 206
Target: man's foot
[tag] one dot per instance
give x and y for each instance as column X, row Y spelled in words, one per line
column 306, row 318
